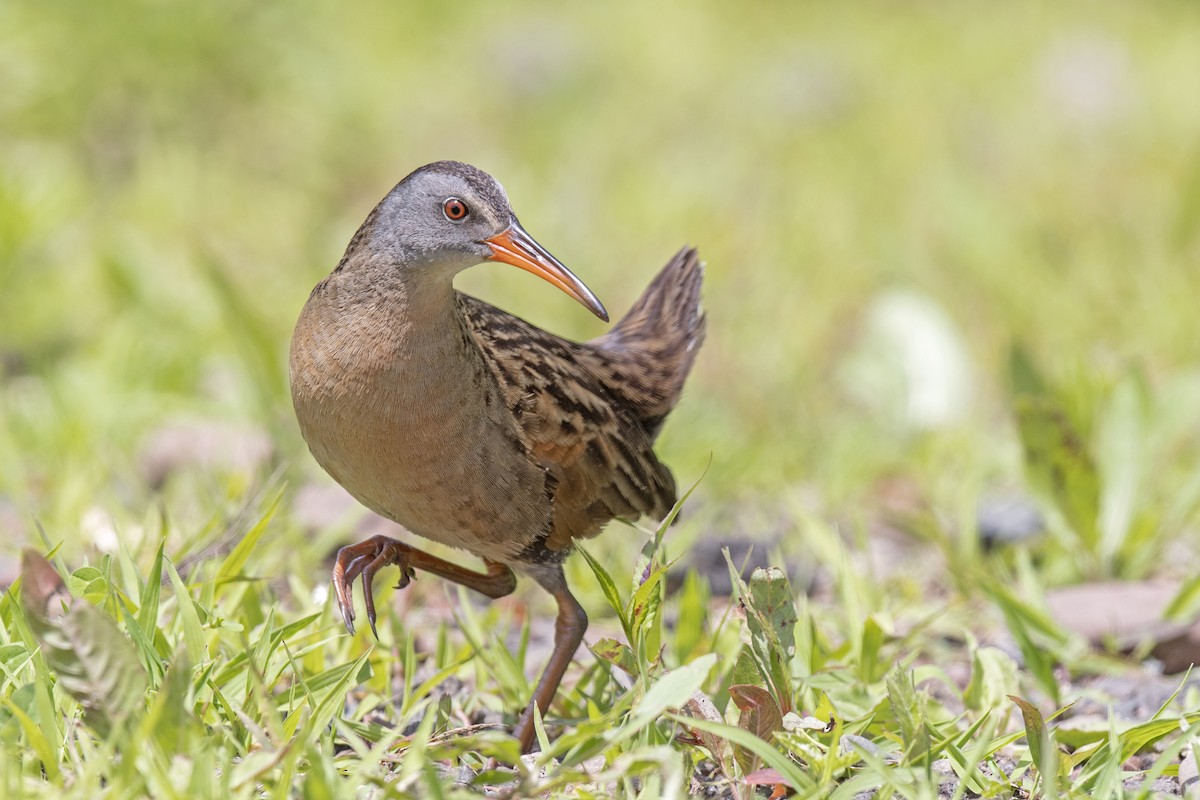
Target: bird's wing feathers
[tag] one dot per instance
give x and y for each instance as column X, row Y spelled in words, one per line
column 597, row 451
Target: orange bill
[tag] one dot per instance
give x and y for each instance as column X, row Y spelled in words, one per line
column 515, row 246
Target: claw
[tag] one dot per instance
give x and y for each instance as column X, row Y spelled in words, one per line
column 369, row 602
column 407, row 576
column 345, row 602
column 366, row 559
column 344, row 594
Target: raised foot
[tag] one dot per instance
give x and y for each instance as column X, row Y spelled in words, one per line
column 367, row 558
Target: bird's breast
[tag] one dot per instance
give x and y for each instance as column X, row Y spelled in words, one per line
column 412, row 424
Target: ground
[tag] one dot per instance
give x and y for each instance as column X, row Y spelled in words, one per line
column 950, row 394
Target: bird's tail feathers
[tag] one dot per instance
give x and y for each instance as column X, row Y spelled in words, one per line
column 653, row 347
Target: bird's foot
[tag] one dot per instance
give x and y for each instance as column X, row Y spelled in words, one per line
column 366, row 559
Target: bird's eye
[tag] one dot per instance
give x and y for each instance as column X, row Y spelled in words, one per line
column 455, row 209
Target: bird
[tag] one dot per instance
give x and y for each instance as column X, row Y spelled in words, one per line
column 472, row 427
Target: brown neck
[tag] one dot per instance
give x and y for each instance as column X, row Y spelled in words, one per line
column 414, row 327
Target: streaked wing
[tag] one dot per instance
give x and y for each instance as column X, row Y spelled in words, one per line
column 596, row 449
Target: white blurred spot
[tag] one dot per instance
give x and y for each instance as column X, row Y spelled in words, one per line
column 320, row 594
column 1087, row 79
column 910, row 362
column 97, row 525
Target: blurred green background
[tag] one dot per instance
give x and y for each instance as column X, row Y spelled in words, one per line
column 888, row 196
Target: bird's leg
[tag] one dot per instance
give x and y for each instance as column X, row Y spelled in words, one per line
column 367, row 558
column 569, row 627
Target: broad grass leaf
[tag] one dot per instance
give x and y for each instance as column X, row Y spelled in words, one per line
column 1059, row 464
column 968, row 772
column 993, row 678
column 193, row 633
column 36, row 736
column 1037, row 635
column 689, row 629
column 356, row 672
column 616, row 653
column 908, row 707
column 500, row 663
column 1041, row 748
column 1169, row 756
column 328, row 706
column 792, row 773
column 771, row 619
column 144, row 645
column 1104, row 780
column 609, row 588
column 672, row 690
column 745, row 670
column 1024, row 376
column 147, row 616
column 870, row 644
column 1186, row 602
column 645, row 617
column 1141, row 737
column 231, row 568
column 1121, row 453
column 168, row 721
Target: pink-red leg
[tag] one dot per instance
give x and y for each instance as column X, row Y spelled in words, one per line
column 368, row 557
column 569, row 628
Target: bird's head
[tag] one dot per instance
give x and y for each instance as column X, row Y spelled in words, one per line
column 447, row 216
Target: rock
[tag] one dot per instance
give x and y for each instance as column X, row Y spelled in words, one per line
column 1008, row 517
column 705, row 556
column 1159, row 786
column 1135, row 696
column 210, row 445
column 1128, row 614
column 318, row 506
column 1189, row 776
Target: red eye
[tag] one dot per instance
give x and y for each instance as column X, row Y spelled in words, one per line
column 455, row 209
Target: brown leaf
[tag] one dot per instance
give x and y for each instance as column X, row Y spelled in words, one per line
column 769, row 776
column 760, row 716
column 760, row 712
column 701, row 707
column 1035, row 729
column 43, row 592
column 95, row 662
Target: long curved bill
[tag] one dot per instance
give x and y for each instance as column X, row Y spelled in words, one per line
column 515, row 246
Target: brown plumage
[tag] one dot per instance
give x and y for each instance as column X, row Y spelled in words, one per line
column 472, row 427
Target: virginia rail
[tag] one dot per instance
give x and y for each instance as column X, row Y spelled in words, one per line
column 474, row 428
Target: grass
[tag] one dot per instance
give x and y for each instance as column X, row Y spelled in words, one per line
column 951, row 252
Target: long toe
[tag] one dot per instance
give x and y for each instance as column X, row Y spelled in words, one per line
column 368, row 578
column 365, row 559
column 343, row 590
